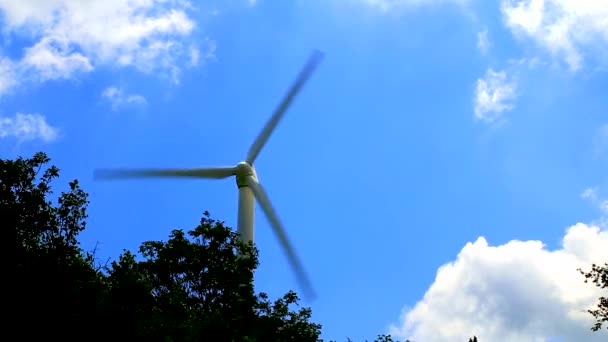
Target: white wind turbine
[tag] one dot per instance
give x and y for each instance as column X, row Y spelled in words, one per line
column 246, row 178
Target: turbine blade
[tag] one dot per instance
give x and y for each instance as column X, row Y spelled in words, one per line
column 292, row 257
column 212, row 172
column 304, row 75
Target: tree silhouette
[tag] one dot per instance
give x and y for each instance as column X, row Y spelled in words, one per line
column 598, row 275
column 193, row 287
column 196, row 286
column 53, row 285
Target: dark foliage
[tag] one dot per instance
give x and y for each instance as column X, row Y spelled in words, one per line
column 196, row 286
column 598, row 276
column 53, row 286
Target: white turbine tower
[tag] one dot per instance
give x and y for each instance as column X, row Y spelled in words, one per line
column 246, row 179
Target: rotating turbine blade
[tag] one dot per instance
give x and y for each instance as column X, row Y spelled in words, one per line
column 292, row 257
column 304, row 75
column 212, row 172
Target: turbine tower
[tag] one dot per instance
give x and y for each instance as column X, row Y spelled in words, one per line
column 246, row 179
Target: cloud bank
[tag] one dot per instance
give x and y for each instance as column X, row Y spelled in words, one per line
column 519, row 292
column 74, row 37
column 567, row 29
column 64, row 39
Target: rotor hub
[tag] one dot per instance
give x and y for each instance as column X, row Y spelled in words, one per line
column 244, row 170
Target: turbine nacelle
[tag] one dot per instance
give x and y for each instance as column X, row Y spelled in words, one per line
column 242, row 171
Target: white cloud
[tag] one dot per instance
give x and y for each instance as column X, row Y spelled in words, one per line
column 118, row 98
column 604, row 206
column 493, row 95
column 76, row 36
column 601, row 141
column 592, row 195
column 516, row 292
column 53, row 60
column 195, row 55
column 25, row 127
column 566, row 28
column 208, row 52
column 7, row 76
column 483, row 43
column 589, row 193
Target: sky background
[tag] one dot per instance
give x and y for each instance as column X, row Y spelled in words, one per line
column 442, row 174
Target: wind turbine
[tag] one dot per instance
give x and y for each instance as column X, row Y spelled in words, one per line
column 246, row 178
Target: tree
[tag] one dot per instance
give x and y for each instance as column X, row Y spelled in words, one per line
column 194, row 287
column 389, row 338
column 197, row 286
column 598, row 275
column 53, row 285
column 385, row 338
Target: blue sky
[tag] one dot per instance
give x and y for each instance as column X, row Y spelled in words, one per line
column 441, row 174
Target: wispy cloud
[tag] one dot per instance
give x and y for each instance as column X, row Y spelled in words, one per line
column 195, row 55
column 51, row 61
column 118, row 99
column 207, row 54
column 591, row 194
column 7, row 76
column 25, row 127
column 600, row 143
column 567, row 29
column 483, row 43
column 519, row 291
column 494, row 94
column 72, row 37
